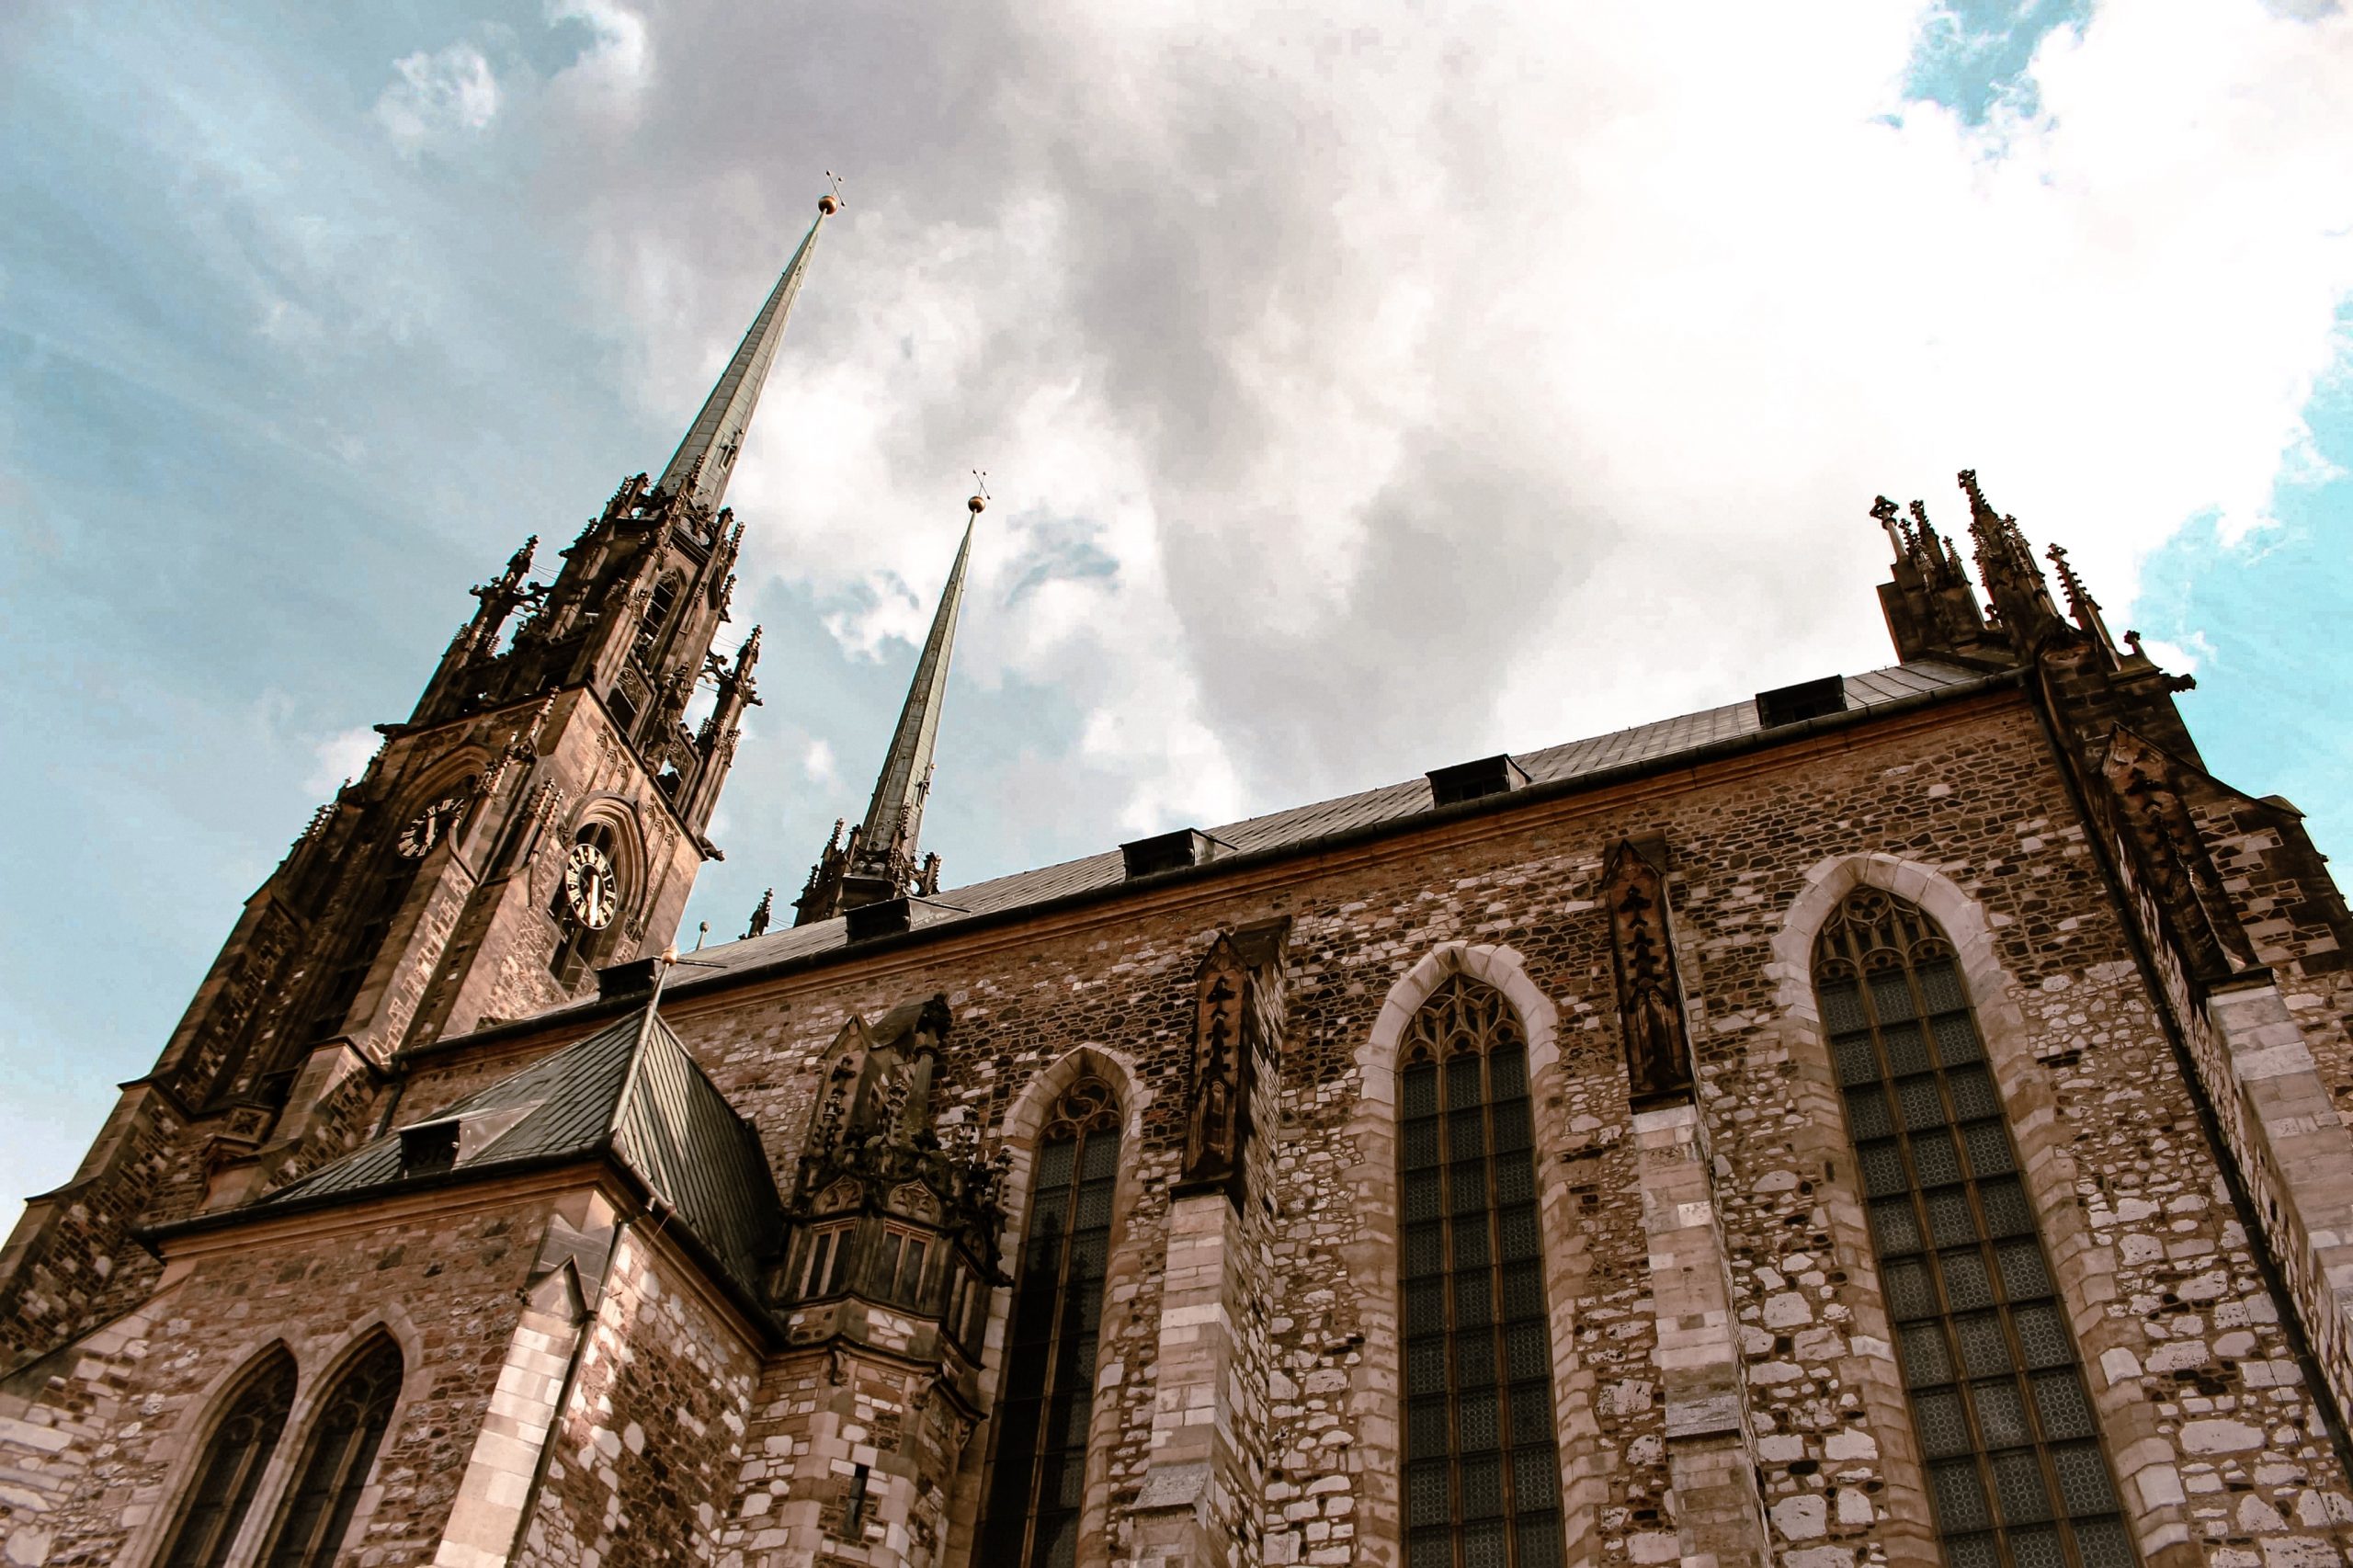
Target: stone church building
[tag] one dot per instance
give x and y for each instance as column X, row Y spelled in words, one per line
column 1897, row 1120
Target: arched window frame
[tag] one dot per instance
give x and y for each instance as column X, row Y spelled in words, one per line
column 660, row 604
column 271, row 1376
column 1371, row 1254
column 1076, row 1175
column 1018, row 1132
column 376, row 1366
column 2128, row 1419
column 578, row 949
column 2016, row 1473
column 1481, row 1446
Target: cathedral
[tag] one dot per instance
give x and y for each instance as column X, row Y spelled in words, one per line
column 1897, row 1119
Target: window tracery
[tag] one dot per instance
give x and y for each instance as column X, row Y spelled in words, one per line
column 2016, row 1472
column 1040, row 1474
column 236, row 1453
column 345, row 1434
column 1482, row 1469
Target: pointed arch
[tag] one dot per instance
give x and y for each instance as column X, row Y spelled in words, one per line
column 2014, row 1463
column 1373, row 1256
column 346, row 1431
column 1022, row 1132
column 231, row 1462
column 1481, row 1450
column 610, row 824
column 2083, row 1270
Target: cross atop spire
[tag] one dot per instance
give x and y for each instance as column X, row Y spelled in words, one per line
column 699, row 469
column 880, row 859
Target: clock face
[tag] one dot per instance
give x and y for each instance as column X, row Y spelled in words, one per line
column 432, row 825
column 590, row 889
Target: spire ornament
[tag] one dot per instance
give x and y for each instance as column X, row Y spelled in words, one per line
column 698, row 473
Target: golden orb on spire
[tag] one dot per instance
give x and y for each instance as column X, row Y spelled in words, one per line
column 978, row 503
column 829, row 204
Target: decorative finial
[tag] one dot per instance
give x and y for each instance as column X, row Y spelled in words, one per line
column 701, row 932
column 980, row 501
column 831, row 202
column 760, row 915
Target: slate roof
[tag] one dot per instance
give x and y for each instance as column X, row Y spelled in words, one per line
column 1644, row 743
column 665, row 1121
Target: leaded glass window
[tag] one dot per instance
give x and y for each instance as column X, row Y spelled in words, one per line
column 345, row 1435
column 235, row 1456
column 1483, row 1467
column 1040, row 1476
column 2016, row 1472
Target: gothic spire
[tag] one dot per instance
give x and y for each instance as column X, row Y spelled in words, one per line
column 880, row 859
column 895, row 816
column 701, row 468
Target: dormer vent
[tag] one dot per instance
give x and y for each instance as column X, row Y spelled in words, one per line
column 891, row 917
column 1168, row 852
column 1807, row 699
column 1470, row 781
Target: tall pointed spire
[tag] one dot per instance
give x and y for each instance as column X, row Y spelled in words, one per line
column 880, row 859
column 896, row 814
column 699, row 469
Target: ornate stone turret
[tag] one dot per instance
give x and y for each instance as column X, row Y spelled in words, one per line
column 882, row 859
column 1933, row 613
column 1930, row 607
column 2005, row 563
column 884, row 1292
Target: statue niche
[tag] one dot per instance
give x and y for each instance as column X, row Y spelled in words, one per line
column 1650, row 994
column 1237, row 1026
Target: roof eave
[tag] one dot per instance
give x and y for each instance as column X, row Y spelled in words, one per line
column 1530, row 796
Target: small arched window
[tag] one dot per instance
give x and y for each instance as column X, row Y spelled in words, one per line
column 345, row 1435
column 658, row 606
column 1040, row 1476
column 2015, row 1470
column 235, row 1454
column 1483, row 1466
column 580, row 942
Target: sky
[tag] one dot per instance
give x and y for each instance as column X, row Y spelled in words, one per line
column 1360, row 392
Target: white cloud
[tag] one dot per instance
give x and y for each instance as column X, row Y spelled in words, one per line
column 1451, row 380
column 618, row 66
column 817, row 764
column 448, row 91
column 2182, row 658
column 340, row 758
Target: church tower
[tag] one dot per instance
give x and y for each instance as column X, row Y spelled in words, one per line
column 541, row 815
column 879, row 861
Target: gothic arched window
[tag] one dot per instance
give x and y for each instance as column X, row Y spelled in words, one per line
column 658, row 606
column 345, row 1435
column 1483, row 1466
column 2014, row 1468
column 581, row 943
column 1031, row 1518
column 235, row 1456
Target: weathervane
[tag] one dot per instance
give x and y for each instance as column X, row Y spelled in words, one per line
column 833, row 200
column 980, row 497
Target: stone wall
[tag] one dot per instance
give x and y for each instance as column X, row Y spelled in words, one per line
column 2219, row 1447
column 649, row 1447
column 1970, row 798
column 97, row 1444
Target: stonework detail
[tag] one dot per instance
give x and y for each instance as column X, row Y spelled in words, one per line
column 1650, row 996
column 728, row 1263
